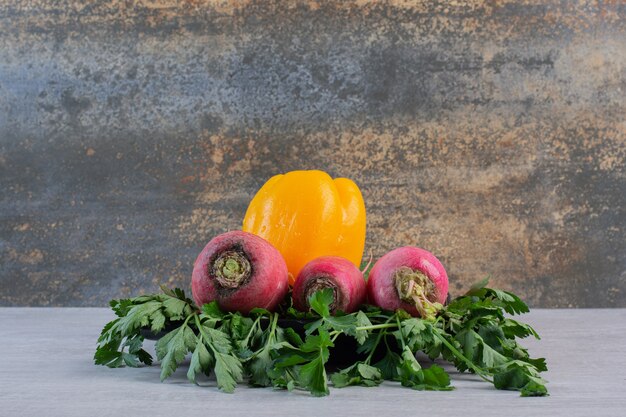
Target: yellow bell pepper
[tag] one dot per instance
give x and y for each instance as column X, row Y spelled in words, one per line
column 307, row 214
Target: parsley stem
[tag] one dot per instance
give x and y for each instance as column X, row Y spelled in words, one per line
column 459, row 355
column 378, row 326
column 252, row 328
column 400, row 332
column 206, row 338
column 270, row 338
column 380, row 335
column 188, row 317
column 268, row 341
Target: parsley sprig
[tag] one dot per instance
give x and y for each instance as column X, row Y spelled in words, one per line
column 154, row 311
column 474, row 332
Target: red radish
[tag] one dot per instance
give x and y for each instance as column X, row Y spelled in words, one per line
column 241, row 271
column 334, row 272
column 409, row 278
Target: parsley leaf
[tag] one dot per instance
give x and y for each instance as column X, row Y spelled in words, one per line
column 261, row 364
column 201, row 361
column 358, row 374
column 388, row 365
column 480, row 338
column 411, row 374
column 313, row 374
column 155, row 311
column 320, row 301
column 228, row 371
column 519, row 376
column 228, row 368
column 172, row 348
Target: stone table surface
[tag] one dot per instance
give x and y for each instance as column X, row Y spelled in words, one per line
column 46, row 368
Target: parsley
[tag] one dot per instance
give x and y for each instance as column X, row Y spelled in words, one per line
column 154, row 311
column 260, row 362
column 172, row 348
column 216, row 349
column 474, row 332
column 358, row 374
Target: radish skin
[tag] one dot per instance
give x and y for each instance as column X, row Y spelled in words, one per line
column 408, row 278
column 240, row 271
column 334, row 272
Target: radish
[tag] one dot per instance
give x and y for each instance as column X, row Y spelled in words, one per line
column 334, row 272
column 240, row 271
column 409, row 278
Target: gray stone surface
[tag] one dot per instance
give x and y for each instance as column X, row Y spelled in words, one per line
column 47, row 369
column 491, row 133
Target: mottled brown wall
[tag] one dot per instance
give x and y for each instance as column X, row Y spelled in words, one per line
column 491, row 132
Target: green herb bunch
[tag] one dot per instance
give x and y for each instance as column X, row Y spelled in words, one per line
column 474, row 332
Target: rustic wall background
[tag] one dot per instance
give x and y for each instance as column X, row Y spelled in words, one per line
column 491, row 132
